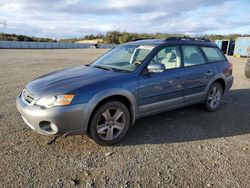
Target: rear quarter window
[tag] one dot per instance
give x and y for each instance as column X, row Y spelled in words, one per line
column 213, row 54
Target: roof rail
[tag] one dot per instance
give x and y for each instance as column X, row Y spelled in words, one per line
column 188, row 38
column 141, row 39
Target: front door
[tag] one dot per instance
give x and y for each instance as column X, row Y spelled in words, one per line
column 162, row 90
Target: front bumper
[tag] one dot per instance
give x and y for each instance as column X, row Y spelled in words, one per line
column 61, row 120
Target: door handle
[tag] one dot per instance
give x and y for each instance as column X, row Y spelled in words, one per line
column 173, row 81
column 209, row 73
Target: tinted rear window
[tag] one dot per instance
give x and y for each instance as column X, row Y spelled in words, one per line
column 192, row 56
column 213, row 54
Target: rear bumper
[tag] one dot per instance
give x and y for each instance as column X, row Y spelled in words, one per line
column 53, row 121
column 229, row 82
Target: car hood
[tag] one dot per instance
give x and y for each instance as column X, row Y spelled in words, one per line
column 66, row 80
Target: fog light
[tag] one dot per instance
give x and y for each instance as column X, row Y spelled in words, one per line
column 48, row 127
column 54, row 127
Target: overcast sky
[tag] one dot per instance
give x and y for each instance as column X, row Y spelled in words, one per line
column 76, row 18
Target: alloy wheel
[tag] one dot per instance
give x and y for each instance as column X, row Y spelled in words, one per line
column 110, row 123
column 214, row 97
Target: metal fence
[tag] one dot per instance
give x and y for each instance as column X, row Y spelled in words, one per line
column 48, row 45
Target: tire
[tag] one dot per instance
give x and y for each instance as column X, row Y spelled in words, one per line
column 109, row 123
column 214, row 97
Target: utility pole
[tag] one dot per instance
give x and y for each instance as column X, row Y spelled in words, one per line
column 4, row 24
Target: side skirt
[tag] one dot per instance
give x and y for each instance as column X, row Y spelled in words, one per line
column 172, row 104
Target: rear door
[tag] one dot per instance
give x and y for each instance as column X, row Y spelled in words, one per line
column 197, row 74
column 162, row 90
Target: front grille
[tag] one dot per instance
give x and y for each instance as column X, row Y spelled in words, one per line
column 27, row 96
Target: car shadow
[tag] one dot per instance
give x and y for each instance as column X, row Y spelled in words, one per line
column 193, row 123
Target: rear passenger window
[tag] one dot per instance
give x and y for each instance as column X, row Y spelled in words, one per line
column 192, row 56
column 213, row 54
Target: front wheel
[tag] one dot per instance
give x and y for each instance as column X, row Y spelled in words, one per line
column 214, row 96
column 109, row 123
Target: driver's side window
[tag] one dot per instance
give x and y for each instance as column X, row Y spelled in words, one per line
column 169, row 56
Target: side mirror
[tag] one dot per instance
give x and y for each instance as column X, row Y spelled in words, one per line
column 156, row 67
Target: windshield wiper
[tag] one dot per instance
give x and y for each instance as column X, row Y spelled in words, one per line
column 110, row 68
column 120, row 70
column 103, row 67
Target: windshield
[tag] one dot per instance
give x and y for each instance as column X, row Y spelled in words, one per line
column 123, row 58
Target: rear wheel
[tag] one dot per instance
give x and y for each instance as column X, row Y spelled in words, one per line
column 214, row 96
column 110, row 123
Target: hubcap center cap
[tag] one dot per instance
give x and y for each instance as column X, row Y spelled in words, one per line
column 110, row 123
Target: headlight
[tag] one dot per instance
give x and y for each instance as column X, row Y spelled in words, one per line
column 58, row 100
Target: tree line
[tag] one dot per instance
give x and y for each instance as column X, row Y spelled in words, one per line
column 113, row 37
column 116, row 37
column 14, row 37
